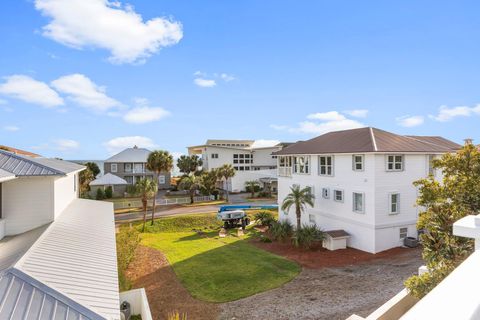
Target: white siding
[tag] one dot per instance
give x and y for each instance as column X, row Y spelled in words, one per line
column 27, row 203
column 64, row 192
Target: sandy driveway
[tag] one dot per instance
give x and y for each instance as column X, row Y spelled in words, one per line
column 329, row 293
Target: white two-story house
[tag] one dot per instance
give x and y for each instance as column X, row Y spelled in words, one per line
column 249, row 161
column 57, row 252
column 362, row 180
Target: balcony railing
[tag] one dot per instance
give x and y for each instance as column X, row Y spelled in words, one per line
column 284, row 171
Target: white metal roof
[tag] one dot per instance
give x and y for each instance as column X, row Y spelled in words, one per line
column 74, row 260
column 5, row 175
column 108, row 180
column 134, row 154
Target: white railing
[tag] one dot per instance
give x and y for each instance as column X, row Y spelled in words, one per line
column 284, row 171
column 138, row 301
column 135, row 203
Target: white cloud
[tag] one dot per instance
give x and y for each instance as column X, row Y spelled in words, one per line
column 30, row 90
column 66, row 144
column 446, row 114
column 108, row 25
column 357, row 113
column 320, row 123
column 120, row 143
column 227, row 77
column 410, row 121
column 85, row 92
column 205, row 83
column 11, row 128
column 140, row 115
column 263, row 143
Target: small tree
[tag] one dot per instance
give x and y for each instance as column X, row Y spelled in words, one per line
column 189, row 164
column 100, row 194
column 93, row 167
column 299, row 198
column 159, row 161
column 84, row 179
column 224, row 173
column 146, row 189
column 109, row 192
column 191, row 184
column 252, row 186
column 208, row 181
column 457, row 196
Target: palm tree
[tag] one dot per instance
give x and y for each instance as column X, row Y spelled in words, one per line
column 191, row 183
column 251, row 185
column 300, row 198
column 146, row 189
column 159, row 161
column 84, row 178
column 189, row 164
column 226, row 172
column 208, row 180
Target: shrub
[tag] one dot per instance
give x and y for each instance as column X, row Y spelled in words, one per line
column 176, row 316
column 109, row 192
column 127, row 242
column 281, row 230
column 265, row 239
column 131, row 190
column 264, row 194
column 100, row 194
column 307, row 236
column 265, row 218
column 256, row 188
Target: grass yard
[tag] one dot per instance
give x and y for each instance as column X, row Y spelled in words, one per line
column 216, row 269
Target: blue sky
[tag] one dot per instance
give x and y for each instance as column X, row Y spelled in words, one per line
column 82, row 79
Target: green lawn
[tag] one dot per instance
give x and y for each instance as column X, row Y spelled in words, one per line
column 216, row 269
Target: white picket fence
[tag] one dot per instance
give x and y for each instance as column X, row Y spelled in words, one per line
column 135, row 203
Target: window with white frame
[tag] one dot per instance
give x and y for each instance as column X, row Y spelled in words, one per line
column 127, row 167
column 214, row 155
column 394, row 162
column 358, row 202
column 338, row 195
column 325, row 165
column 403, row 233
column 394, row 203
column 325, row 193
column 311, row 218
column 113, row 167
column 301, row 164
column 431, row 170
column 161, row 179
column 357, row 160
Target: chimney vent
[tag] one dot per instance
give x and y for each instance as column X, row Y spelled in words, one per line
column 468, row 141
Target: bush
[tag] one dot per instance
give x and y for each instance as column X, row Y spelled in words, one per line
column 256, row 188
column 100, row 194
column 177, row 316
column 127, row 242
column 265, row 239
column 264, row 194
column 265, row 218
column 281, row 230
column 109, row 192
column 307, row 236
column 131, row 190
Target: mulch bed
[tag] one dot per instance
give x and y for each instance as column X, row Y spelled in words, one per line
column 151, row 270
column 322, row 258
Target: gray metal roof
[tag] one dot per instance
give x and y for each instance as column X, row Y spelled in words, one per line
column 108, row 180
column 134, row 154
column 27, row 166
column 73, row 264
column 5, row 175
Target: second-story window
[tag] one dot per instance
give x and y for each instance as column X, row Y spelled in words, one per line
column 214, row 155
column 113, row 167
column 128, row 167
column 301, row 164
column 325, row 165
column 357, row 162
column 394, row 162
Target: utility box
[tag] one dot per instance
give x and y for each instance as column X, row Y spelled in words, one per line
column 335, row 240
column 410, row 242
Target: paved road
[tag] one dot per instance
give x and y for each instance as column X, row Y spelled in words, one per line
column 164, row 211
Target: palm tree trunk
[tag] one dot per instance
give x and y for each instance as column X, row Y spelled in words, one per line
column 144, row 215
column 154, row 200
column 191, row 197
column 299, row 214
column 226, row 190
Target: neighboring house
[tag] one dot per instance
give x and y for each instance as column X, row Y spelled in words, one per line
column 108, row 180
column 363, row 182
column 57, row 252
column 250, row 162
column 19, row 151
column 131, row 165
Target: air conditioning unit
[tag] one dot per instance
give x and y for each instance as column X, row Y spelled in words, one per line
column 410, row 242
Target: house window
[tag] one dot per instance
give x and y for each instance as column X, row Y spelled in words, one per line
column 311, row 218
column 214, row 155
column 358, row 202
column 114, row 167
column 129, row 179
column 338, row 195
column 138, row 167
column 247, row 168
column 325, row 193
column 128, row 167
column 403, row 233
column 325, row 165
column 301, row 164
column 394, row 203
column 161, row 179
column 357, row 162
column 431, row 170
column 394, row 163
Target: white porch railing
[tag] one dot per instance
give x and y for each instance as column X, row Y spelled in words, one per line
column 284, row 171
column 160, row 202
